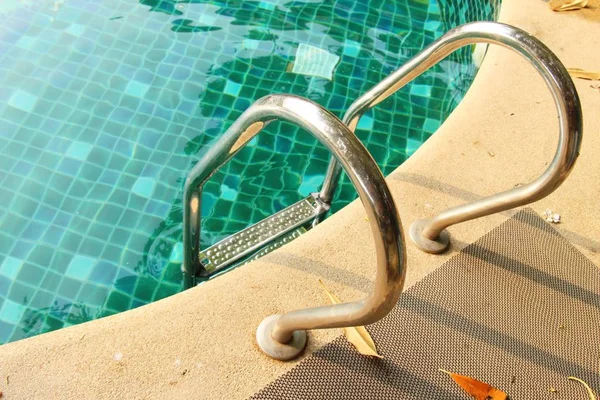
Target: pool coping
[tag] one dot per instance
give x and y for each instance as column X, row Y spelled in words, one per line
column 200, row 343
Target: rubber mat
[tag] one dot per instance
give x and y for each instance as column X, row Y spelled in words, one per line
column 518, row 309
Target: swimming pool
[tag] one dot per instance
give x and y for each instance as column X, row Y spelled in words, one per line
column 106, row 105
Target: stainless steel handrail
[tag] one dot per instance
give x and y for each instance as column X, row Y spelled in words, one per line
column 283, row 336
column 430, row 235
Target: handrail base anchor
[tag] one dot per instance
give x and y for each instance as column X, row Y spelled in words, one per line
column 432, row 246
column 274, row 349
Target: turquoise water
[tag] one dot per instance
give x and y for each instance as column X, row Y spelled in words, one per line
column 106, row 105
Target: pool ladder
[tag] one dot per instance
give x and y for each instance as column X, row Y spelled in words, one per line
column 284, row 336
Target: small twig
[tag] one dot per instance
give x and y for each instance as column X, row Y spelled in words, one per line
column 587, row 387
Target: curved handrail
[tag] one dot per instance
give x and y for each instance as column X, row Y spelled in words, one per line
column 429, row 235
column 282, row 336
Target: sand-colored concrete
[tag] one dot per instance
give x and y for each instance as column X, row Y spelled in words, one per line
column 200, row 344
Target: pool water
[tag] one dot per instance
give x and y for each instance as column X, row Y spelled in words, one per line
column 105, row 106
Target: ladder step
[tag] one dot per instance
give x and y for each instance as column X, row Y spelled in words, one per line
column 231, row 249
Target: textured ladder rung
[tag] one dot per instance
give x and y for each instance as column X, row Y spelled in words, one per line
column 236, row 246
column 277, row 243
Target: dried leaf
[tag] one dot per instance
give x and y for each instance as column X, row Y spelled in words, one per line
column 568, row 5
column 583, row 74
column 357, row 335
column 587, row 387
column 478, row 390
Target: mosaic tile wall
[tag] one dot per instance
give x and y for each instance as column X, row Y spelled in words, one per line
column 105, row 105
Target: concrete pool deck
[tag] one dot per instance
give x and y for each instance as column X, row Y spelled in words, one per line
column 200, row 343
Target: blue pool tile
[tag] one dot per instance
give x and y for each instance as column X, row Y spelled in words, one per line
column 434, row 8
column 70, row 166
column 45, row 213
column 431, row 125
column 250, row 44
column 420, row 90
column 34, row 231
column 310, row 184
column 351, row 48
column 109, row 177
column 157, row 208
column 137, row 89
column 6, row 331
column 208, row 201
column 265, row 5
column 80, row 267
column 149, row 138
column 411, row 146
column 314, row 61
column 207, row 19
column 104, row 273
column 22, row 250
column 144, row 187
column 63, row 219
column 79, row 150
column 228, row 193
column 22, row 100
column 23, row 168
column 26, row 42
column 53, row 235
column 75, row 30
column 365, row 123
column 11, row 312
column 433, row 25
column 177, row 253
column 125, row 147
column 232, row 88
column 10, row 267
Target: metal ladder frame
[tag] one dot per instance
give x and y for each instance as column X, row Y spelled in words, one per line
column 283, row 336
column 431, row 235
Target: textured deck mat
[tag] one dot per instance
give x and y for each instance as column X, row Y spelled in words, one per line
column 518, row 309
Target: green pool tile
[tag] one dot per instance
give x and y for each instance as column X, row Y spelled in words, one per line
column 145, row 288
column 53, row 323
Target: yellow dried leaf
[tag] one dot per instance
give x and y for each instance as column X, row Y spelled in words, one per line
column 587, row 387
column 357, row 335
column 477, row 389
column 568, row 5
column 583, row 74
